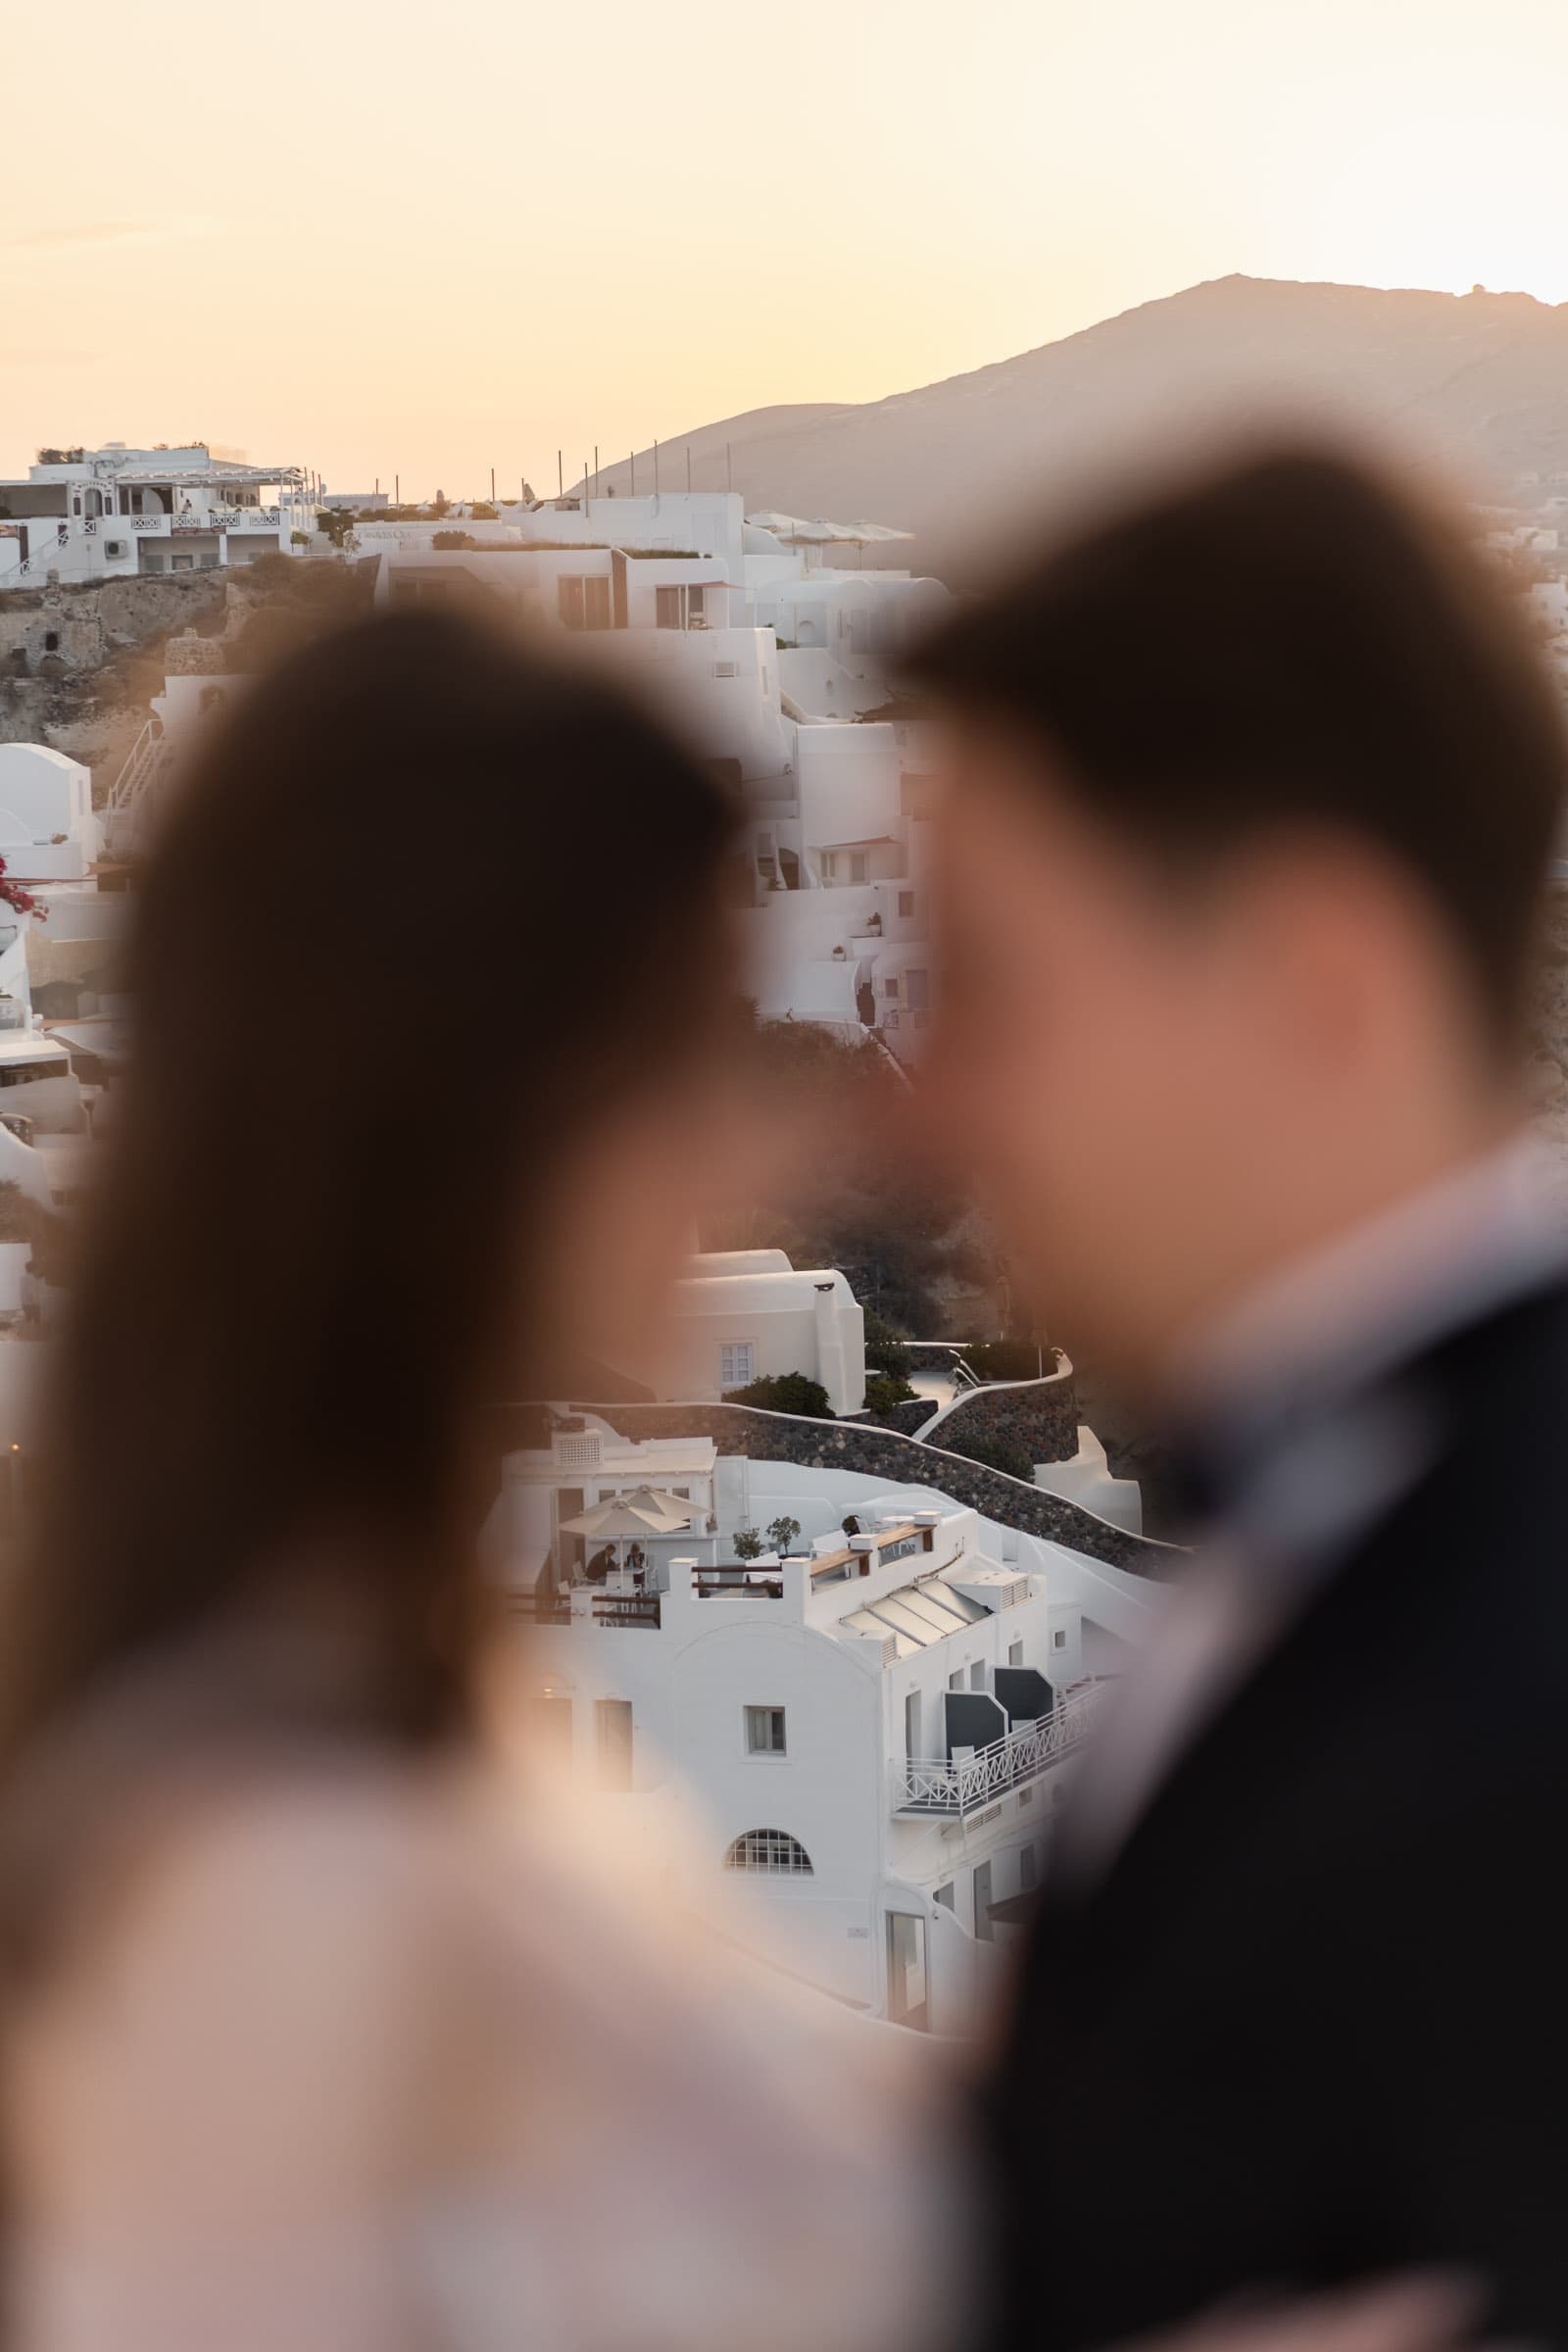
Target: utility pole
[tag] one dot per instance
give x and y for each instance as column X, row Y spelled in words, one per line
column 492, row 485
column 397, row 489
column 561, row 479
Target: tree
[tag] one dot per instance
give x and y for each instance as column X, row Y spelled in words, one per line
column 749, row 1545
column 335, row 521
column 884, row 1349
column 782, row 1532
column 785, row 1393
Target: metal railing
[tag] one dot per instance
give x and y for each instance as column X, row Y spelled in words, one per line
column 632, row 1608
column 739, row 1583
column 968, row 1783
column 146, row 757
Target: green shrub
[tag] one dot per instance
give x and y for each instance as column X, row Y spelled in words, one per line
column 785, row 1393
column 883, row 1392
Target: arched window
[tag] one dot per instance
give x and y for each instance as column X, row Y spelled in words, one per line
column 773, row 1850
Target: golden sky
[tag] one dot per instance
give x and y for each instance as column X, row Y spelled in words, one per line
column 428, row 239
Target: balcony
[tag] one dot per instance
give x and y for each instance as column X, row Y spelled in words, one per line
column 588, row 1604
column 954, row 1787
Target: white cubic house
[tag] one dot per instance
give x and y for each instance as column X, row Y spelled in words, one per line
column 741, row 1315
column 869, row 1721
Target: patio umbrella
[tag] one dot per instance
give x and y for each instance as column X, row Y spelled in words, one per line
column 645, row 1511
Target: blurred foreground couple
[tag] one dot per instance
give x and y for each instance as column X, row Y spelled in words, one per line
column 328, row 2024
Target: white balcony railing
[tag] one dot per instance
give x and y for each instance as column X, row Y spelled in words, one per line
column 968, row 1783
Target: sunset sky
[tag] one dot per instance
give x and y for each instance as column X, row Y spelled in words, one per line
column 429, row 240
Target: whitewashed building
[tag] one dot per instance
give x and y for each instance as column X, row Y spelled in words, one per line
column 110, row 513
column 872, row 1730
column 740, row 1315
column 775, row 667
column 50, row 841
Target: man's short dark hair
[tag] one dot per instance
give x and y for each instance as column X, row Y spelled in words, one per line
column 1289, row 641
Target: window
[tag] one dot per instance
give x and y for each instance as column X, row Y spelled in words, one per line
column 584, row 601
column 51, row 641
column 890, row 984
column 1058, row 1640
column 906, row 902
column 670, row 608
column 1026, row 1870
column 736, row 1364
column 764, row 1731
column 1015, row 1654
column 944, row 1897
column 977, row 1675
column 696, row 609
column 956, row 1678
column 613, row 1741
column 772, row 1852
column 985, row 1932
column 917, row 987
column 859, row 865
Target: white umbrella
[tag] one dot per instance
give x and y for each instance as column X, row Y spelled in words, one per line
column 645, row 1511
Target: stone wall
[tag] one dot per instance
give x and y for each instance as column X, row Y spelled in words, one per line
column 80, row 695
column 1039, row 1415
column 880, row 1454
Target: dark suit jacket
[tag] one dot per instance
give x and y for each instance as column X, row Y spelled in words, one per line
column 1313, row 2021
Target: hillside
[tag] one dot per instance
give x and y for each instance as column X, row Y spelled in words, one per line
column 1480, row 377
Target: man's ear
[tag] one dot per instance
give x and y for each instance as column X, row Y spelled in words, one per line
column 1340, row 950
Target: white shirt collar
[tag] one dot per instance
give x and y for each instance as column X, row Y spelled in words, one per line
column 1395, row 1285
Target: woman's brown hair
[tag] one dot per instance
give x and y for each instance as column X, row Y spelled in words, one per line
column 425, row 903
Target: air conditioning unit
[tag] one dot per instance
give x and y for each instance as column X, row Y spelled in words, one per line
column 726, row 670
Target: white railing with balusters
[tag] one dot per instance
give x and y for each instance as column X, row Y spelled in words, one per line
column 966, row 1783
column 146, row 757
